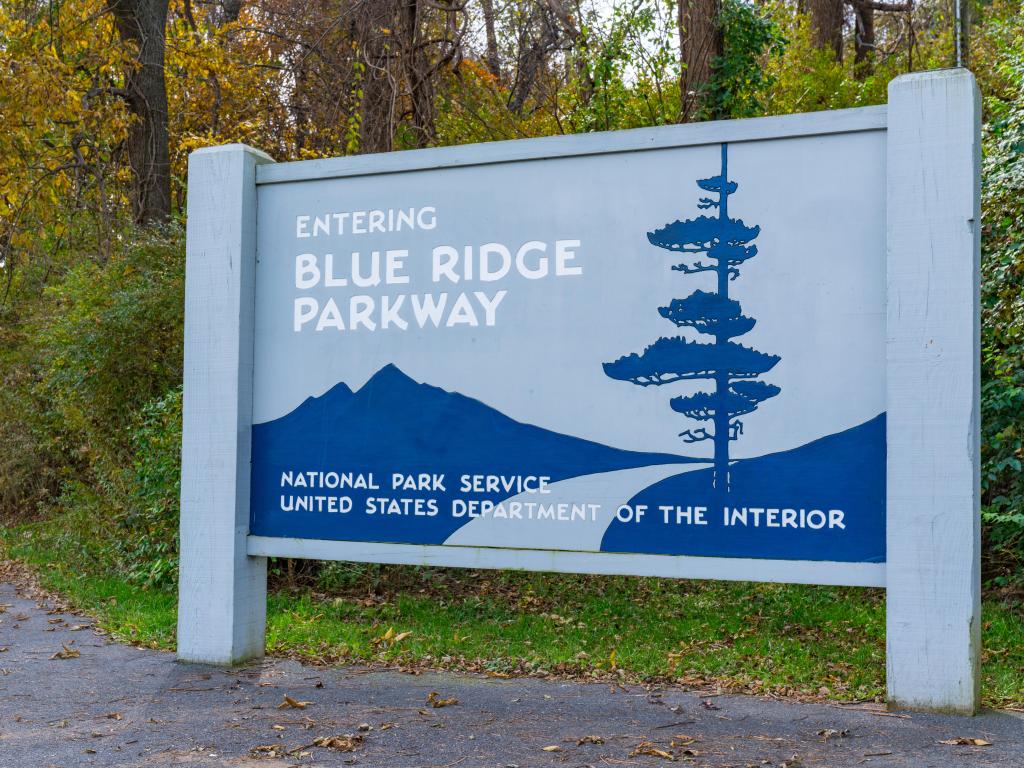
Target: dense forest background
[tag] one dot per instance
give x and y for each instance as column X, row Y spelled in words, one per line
column 102, row 102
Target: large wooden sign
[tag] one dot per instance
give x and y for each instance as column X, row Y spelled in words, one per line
column 738, row 350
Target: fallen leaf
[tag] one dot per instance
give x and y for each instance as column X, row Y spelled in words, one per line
column 552, row 748
column 114, row 716
column 962, row 741
column 709, row 704
column 268, row 750
column 831, row 733
column 346, row 743
column 434, row 699
column 682, row 741
column 646, row 748
column 401, row 636
column 290, row 703
column 591, row 740
column 386, row 726
column 66, row 653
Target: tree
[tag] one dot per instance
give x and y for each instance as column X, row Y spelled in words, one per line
column 863, row 39
column 732, row 367
column 738, row 76
column 828, row 18
column 700, row 43
column 141, row 24
column 492, row 58
column 827, row 25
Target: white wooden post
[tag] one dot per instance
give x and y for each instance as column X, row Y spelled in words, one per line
column 933, row 534
column 222, row 591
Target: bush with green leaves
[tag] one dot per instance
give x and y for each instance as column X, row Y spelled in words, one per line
column 149, row 518
column 739, row 76
column 92, row 401
column 110, row 340
column 1002, row 292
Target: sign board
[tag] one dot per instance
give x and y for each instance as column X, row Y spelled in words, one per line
column 741, row 350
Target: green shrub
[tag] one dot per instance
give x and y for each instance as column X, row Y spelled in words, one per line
column 1002, row 290
column 149, row 547
column 112, row 341
column 29, row 473
column 91, row 403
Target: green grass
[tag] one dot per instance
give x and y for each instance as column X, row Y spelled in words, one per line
column 792, row 640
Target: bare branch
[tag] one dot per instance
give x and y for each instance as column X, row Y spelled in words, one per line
column 699, row 266
column 695, row 435
column 875, row 5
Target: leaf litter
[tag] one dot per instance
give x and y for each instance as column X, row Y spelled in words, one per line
column 434, row 699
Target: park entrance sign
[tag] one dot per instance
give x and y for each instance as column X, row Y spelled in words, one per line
column 734, row 350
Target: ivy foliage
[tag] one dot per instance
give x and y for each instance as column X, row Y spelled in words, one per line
column 740, row 78
column 1002, row 296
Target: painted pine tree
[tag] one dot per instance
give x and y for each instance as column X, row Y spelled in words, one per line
column 734, row 368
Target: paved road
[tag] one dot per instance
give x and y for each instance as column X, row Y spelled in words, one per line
column 113, row 705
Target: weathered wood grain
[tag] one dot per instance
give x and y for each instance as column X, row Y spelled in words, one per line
column 222, row 590
column 932, row 350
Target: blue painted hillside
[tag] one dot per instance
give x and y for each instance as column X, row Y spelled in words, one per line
column 844, row 471
column 395, row 424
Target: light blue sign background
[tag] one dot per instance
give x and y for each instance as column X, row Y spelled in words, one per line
column 816, row 289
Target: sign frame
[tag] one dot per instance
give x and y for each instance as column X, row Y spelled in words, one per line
column 932, row 569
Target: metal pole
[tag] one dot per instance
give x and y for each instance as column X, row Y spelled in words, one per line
column 962, row 20
column 958, row 61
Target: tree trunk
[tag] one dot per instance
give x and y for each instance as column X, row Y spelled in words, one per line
column 417, row 73
column 538, row 39
column 141, row 24
column 232, row 9
column 827, row 25
column 700, row 41
column 493, row 59
column 864, row 41
column 375, row 52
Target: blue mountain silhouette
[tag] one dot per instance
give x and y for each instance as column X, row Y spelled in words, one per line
column 396, row 424
column 843, row 471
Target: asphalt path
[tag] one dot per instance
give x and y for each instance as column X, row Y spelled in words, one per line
column 70, row 697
